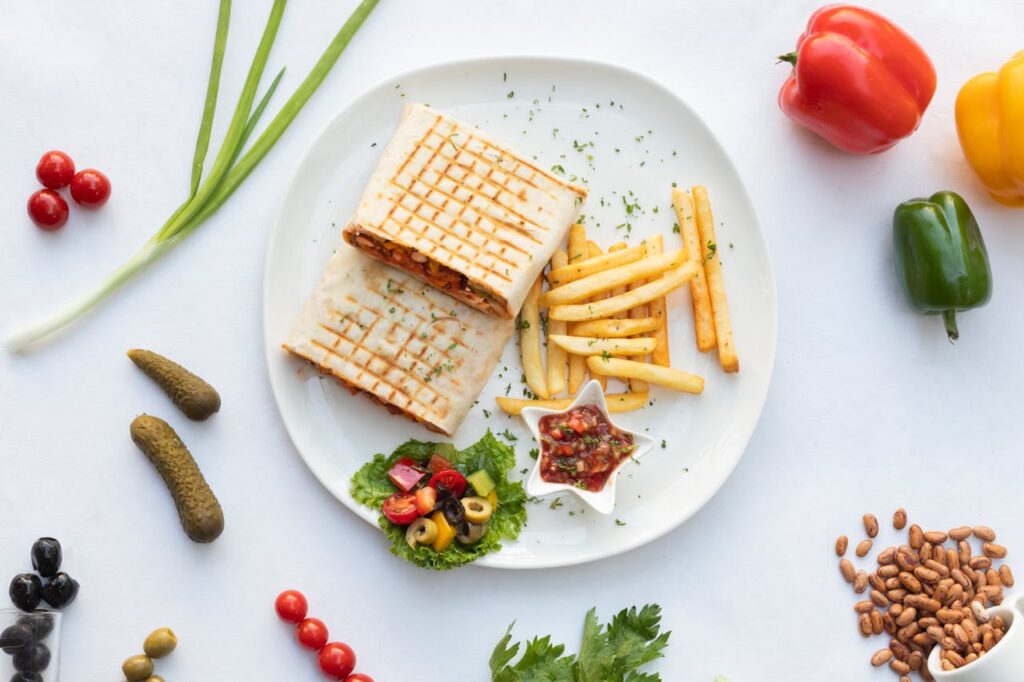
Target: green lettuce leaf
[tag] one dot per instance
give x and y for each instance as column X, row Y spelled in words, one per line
column 612, row 653
column 370, row 487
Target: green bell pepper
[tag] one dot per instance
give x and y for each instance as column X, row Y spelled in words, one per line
column 941, row 259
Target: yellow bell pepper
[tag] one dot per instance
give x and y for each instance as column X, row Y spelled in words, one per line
column 445, row 532
column 990, row 124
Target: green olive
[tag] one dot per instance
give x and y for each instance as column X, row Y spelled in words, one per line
column 160, row 643
column 478, row 510
column 154, row 678
column 471, row 533
column 422, row 531
column 137, row 668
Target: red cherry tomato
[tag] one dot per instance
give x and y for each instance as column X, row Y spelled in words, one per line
column 359, row 677
column 48, row 209
column 438, row 463
column 291, row 606
column 90, row 188
column 312, row 634
column 400, row 508
column 55, row 170
column 337, row 660
column 451, row 479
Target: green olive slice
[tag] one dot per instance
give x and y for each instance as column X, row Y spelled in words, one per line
column 478, row 510
column 471, row 533
column 422, row 531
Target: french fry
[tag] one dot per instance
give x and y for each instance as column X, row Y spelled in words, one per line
column 577, row 254
column 671, row 280
column 557, row 357
column 716, row 284
column 636, row 313
column 558, row 258
column 577, row 243
column 704, row 325
column 529, row 342
column 617, row 402
column 659, row 311
column 663, row 376
column 606, row 280
column 593, row 253
column 587, row 345
column 614, row 328
column 619, row 246
column 579, row 270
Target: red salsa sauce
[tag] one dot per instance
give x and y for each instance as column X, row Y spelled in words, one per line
column 581, row 447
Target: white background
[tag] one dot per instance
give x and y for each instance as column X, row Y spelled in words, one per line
column 870, row 407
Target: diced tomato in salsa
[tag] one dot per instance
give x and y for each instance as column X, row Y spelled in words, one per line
column 582, row 448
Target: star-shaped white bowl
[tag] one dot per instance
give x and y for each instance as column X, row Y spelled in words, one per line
column 602, row 501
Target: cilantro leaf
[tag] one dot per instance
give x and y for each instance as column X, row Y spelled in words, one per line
column 612, row 653
column 542, row 661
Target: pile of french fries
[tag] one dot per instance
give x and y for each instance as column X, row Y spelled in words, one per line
column 607, row 315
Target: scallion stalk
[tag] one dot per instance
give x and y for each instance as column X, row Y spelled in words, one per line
column 230, row 167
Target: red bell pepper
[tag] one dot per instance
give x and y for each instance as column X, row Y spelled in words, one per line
column 858, row 80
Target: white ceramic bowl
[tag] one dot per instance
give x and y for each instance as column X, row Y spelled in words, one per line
column 1004, row 663
column 602, row 501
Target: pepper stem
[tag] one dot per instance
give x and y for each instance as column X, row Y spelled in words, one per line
column 949, row 318
column 788, row 57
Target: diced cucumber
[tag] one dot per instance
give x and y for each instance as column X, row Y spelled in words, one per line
column 481, row 482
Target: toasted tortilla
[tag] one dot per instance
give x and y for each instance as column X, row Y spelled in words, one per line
column 462, row 212
column 406, row 345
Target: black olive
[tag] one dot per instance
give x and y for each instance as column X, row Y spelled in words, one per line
column 33, row 658
column 40, row 622
column 60, row 590
column 26, row 591
column 15, row 637
column 46, row 556
column 453, row 511
column 27, row 677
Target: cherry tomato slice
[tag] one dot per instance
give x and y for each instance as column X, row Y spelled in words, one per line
column 55, row 170
column 359, row 677
column 451, row 479
column 400, row 509
column 90, row 188
column 312, row 634
column 438, row 463
column 48, row 210
column 337, row 660
column 404, row 474
column 291, row 606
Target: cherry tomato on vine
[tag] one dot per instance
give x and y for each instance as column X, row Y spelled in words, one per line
column 291, row 606
column 400, row 508
column 337, row 660
column 312, row 634
column 48, row 209
column 90, row 188
column 451, row 479
column 55, row 170
column 359, row 677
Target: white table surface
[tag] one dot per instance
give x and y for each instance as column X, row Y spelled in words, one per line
column 870, row 407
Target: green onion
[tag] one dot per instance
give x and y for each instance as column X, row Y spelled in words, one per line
column 230, row 167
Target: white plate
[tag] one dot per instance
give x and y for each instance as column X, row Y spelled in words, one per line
column 642, row 143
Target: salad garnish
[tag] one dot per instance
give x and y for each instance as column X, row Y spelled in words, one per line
column 444, row 507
